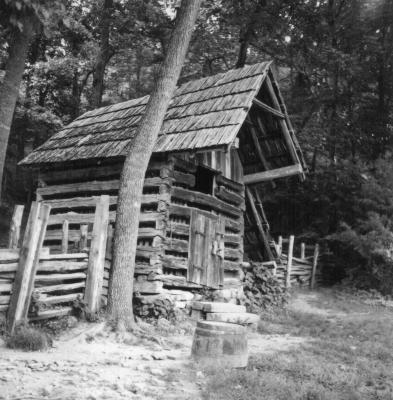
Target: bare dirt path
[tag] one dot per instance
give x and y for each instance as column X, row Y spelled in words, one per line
column 89, row 363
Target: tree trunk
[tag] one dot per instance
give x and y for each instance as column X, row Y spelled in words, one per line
column 135, row 165
column 247, row 33
column 9, row 89
column 103, row 56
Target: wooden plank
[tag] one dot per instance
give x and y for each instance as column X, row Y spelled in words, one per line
column 289, row 263
column 5, row 300
column 232, row 225
column 183, row 165
column 277, row 173
column 9, row 255
column 79, row 187
column 269, row 109
column 173, row 262
column 197, row 198
column 64, row 237
column 228, row 196
column 302, row 251
column 69, row 256
column 279, row 246
column 177, row 245
column 58, row 312
column 95, row 271
column 16, row 222
column 64, row 287
column 184, row 178
column 65, row 298
column 259, row 224
column 258, row 149
column 76, row 218
column 235, row 186
column 61, row 266
column 314, row 266
column 284, row 127
column 5, row 287
column 26, row 267
column 78, row 202
column 60, row 277
column 10, row 267
column 84, row 234
column 177, row 229
column 4, row 307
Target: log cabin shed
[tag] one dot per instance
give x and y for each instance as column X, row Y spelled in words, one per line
column 222, row 136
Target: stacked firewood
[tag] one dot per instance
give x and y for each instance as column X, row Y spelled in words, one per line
column 262, row 289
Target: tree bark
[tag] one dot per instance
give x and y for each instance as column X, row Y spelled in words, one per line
column 9, row 89
column 247, row 33
column 103, row 56
column 135, row 165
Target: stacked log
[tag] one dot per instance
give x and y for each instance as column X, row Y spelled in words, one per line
column 262, row 289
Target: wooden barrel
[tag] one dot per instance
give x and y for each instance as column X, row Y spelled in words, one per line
column 221, row 342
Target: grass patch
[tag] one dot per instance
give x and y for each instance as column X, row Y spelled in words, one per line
column 28, row 339
column 348, row 355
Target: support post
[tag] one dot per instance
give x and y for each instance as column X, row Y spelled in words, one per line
column 259, row 224
column 302, row 250
column 16, row 222
column 279, row 246
column 83, row 240
column 314, row 266
column 27, row 265
column 64, row 239
column 95, row 269
column 289, row 264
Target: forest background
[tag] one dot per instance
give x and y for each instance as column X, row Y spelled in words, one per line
column 334, row 62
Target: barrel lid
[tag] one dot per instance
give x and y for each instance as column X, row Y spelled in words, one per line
column 220, row 326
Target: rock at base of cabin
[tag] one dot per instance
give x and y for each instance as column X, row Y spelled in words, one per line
column 234, row 318
column 216, row 307
column 162, row 305
column 221, row 343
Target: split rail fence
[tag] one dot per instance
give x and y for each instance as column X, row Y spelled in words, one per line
column 36, row 284
column 295, row 270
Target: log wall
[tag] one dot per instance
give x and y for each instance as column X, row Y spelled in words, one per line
column 163, row 239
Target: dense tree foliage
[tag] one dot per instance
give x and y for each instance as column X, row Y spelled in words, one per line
column 334, row 62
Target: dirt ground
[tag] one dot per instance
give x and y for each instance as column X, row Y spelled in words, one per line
column 89, row 362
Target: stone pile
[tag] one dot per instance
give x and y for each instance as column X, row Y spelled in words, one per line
column 162, row 305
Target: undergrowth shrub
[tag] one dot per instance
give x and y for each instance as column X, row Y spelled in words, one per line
column 28, row 339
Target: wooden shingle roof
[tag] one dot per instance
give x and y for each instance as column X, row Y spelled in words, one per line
column 206, row 113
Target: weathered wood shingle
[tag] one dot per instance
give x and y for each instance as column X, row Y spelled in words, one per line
column 205, row 113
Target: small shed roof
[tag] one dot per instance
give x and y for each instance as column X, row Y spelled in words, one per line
column 205, row 113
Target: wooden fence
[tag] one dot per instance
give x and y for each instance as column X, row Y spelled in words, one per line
column 35, row 284
column 295, row 270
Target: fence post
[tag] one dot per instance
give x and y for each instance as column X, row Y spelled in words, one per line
column 27, row 265
column 95, row 269
column 314, row 266
column 279, row 246
column 16, row 222
column 302, row 250
column 289, row 263
column 64, row 239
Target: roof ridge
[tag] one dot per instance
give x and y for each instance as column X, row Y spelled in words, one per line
column 138, row 100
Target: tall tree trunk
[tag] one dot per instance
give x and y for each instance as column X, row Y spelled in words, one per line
column 9, row 89
column 247, row 33
column 103, row 56
column 133, row 174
